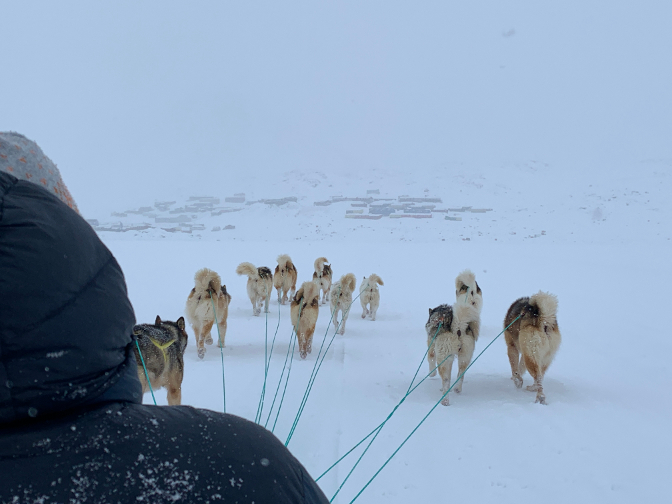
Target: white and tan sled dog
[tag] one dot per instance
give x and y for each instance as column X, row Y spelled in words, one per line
column 452, row 331
column 322, row 277
column 369, row 295
column 259, row 285
column 341, row 299
column 305, row 308
column 208, row 293
column 535, row 335
column 284, row 278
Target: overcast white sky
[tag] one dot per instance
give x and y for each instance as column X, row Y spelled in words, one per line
column 142, row 99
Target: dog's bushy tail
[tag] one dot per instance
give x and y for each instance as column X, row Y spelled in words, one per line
column 375, row 279
column 246, row 268
column 467, row 278
column 319, row 265
column 348, row 282
column 548, row 306
column 283, row 260
column 207, row 279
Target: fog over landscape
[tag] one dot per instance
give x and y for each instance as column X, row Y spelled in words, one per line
column 526, row 141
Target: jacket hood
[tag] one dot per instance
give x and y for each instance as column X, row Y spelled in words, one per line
column 65, row 318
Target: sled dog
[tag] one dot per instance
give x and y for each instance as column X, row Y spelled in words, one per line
column 369, row 295
column 341, row 299
column 322, row 277
column 454, row 331
column 259, row 285
column 467, row 290
column 162, row 346
column 535, row 335
column 304, row 310
column 284, row 278
column 207, row 292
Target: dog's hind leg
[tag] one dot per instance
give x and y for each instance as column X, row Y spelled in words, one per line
column 514, row 356
column 445, row 370
column 344, row 318
column 204, row 336
column 302, row 345
column 464, row 356
column 431, row 359
column 222, row 333
column 174, row 387
column 268, row 300
column 365, row 312
column 536, row 373
column 280, row 297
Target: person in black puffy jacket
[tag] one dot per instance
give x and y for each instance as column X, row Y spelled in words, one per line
column 72, row 425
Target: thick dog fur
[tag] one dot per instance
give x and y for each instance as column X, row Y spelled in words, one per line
column 207, row 291
column 535, row 335
column 284, row 278
column 162, row 346
column 341, row 299
column 369, row 295
column 322, row 277
column 454, row 331
column 304, row 309
column 467, row 290
column 259, row 285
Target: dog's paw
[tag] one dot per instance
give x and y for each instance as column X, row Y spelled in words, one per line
column 533, row 388
column 201, row 353
column 517, row 381
column 458, row 389
column 541, row 398
column 363, row 315
column 303, row 355
column 341, row 330
column 445, row 401
column 208, row 340
column 433, row 373
column 220, row 344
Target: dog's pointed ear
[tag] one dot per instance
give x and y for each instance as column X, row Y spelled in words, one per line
column 180, row 323
column 430, row 311
column 157, row 322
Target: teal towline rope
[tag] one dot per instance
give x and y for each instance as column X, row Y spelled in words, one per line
column 220, row 343
column 289, row 348
column 381, row 425
column 408, row 392
column 313, row 374
column 142, row 359
column 262, row 398
column 430, row 411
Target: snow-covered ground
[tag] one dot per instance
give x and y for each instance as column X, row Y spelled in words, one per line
column 602, row 437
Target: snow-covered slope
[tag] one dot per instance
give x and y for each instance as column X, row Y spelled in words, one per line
column 601, row 436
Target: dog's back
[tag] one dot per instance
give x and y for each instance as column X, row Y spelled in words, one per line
column 341, row 291
column 539, row 334
column 285, row 273
column 304, row 310
column 207, row 292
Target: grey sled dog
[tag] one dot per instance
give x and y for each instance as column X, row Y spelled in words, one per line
column 162, row 346
column 452, row 331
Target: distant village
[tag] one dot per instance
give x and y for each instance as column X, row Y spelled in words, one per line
column 188, row 217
